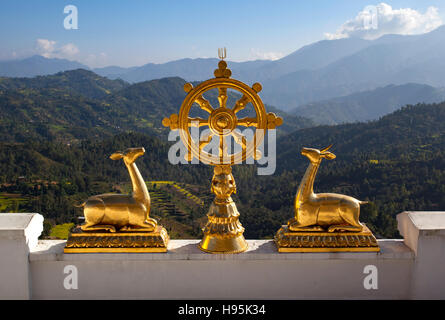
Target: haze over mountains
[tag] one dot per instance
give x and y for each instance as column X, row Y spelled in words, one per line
column 369, row 105
column 392, row 59
column 308, row 77
column 37, row 66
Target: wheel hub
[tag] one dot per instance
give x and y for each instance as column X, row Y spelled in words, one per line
column 222, row 121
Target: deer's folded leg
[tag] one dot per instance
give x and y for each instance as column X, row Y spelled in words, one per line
column 105, row 227
column 342, row 227
column 308, row 228
column 295, row 225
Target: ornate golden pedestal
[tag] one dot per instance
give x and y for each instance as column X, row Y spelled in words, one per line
column 289, row 241
column 223, row 232
column 83, row 242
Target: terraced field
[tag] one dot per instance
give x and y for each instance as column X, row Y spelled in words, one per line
column 179, row 207
column 161, row 196
column 11, row 202
column 161, row 200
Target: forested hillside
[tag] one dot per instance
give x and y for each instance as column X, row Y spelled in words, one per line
column 77, row 82
column 53, row 177
column 55, row 146
column 74, row 105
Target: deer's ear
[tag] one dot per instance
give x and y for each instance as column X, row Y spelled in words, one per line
column 329, row 155
column 116, row 156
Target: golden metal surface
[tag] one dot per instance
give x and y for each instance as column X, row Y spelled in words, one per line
column 291, row 241
column 121, row 212
column 323, row 215
column 83, row 242
column 122, row 220
column 223, row 232
column 323, row 211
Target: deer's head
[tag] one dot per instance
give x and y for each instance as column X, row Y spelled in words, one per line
column 129, row 155
column 315, row 155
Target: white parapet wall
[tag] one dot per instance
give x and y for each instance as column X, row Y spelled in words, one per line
column 424, row 234
column 412, row 268
column 19, row 233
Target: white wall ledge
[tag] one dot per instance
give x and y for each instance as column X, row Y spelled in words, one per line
column 16, row 226
column 52, row 250
column 411, row 268
column 185, row 272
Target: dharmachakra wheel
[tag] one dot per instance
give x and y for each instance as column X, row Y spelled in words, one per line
column 222, row 121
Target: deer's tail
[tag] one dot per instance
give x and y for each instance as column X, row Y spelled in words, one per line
column 363, row 202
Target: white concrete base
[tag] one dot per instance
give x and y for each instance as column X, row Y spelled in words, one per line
column 185, row 272
column 412, row 268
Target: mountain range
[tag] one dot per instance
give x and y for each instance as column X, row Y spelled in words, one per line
column 369, row 105
column 391, row 59
column 37, row 66
column 312, row 74
column 63, row 105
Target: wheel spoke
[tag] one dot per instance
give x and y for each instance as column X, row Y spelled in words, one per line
column 221, row 146
column 248, row 122
column 241, row 104
column 222, row 97
column 240, row 139
column 188, row 156
column 205, row 141
column 198, row 122
column 204, row 104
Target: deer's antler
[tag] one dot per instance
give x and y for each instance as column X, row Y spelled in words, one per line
column 326, row 149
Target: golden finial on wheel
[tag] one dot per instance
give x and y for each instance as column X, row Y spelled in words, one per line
column 222, row 53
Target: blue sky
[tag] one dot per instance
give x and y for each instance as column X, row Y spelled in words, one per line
column 129, row 33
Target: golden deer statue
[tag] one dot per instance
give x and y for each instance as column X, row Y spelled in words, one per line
column 323, row 211
column 118, row 211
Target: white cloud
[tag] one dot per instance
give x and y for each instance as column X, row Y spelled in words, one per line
column 45, row 47
column 48, row 49
column 256, row 54
column 68, row 50
column 376, row 21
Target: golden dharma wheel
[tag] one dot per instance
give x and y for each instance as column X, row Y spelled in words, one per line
column 223, row 120
column 223, row 232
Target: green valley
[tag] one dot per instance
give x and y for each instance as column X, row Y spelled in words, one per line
column 56, row 140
